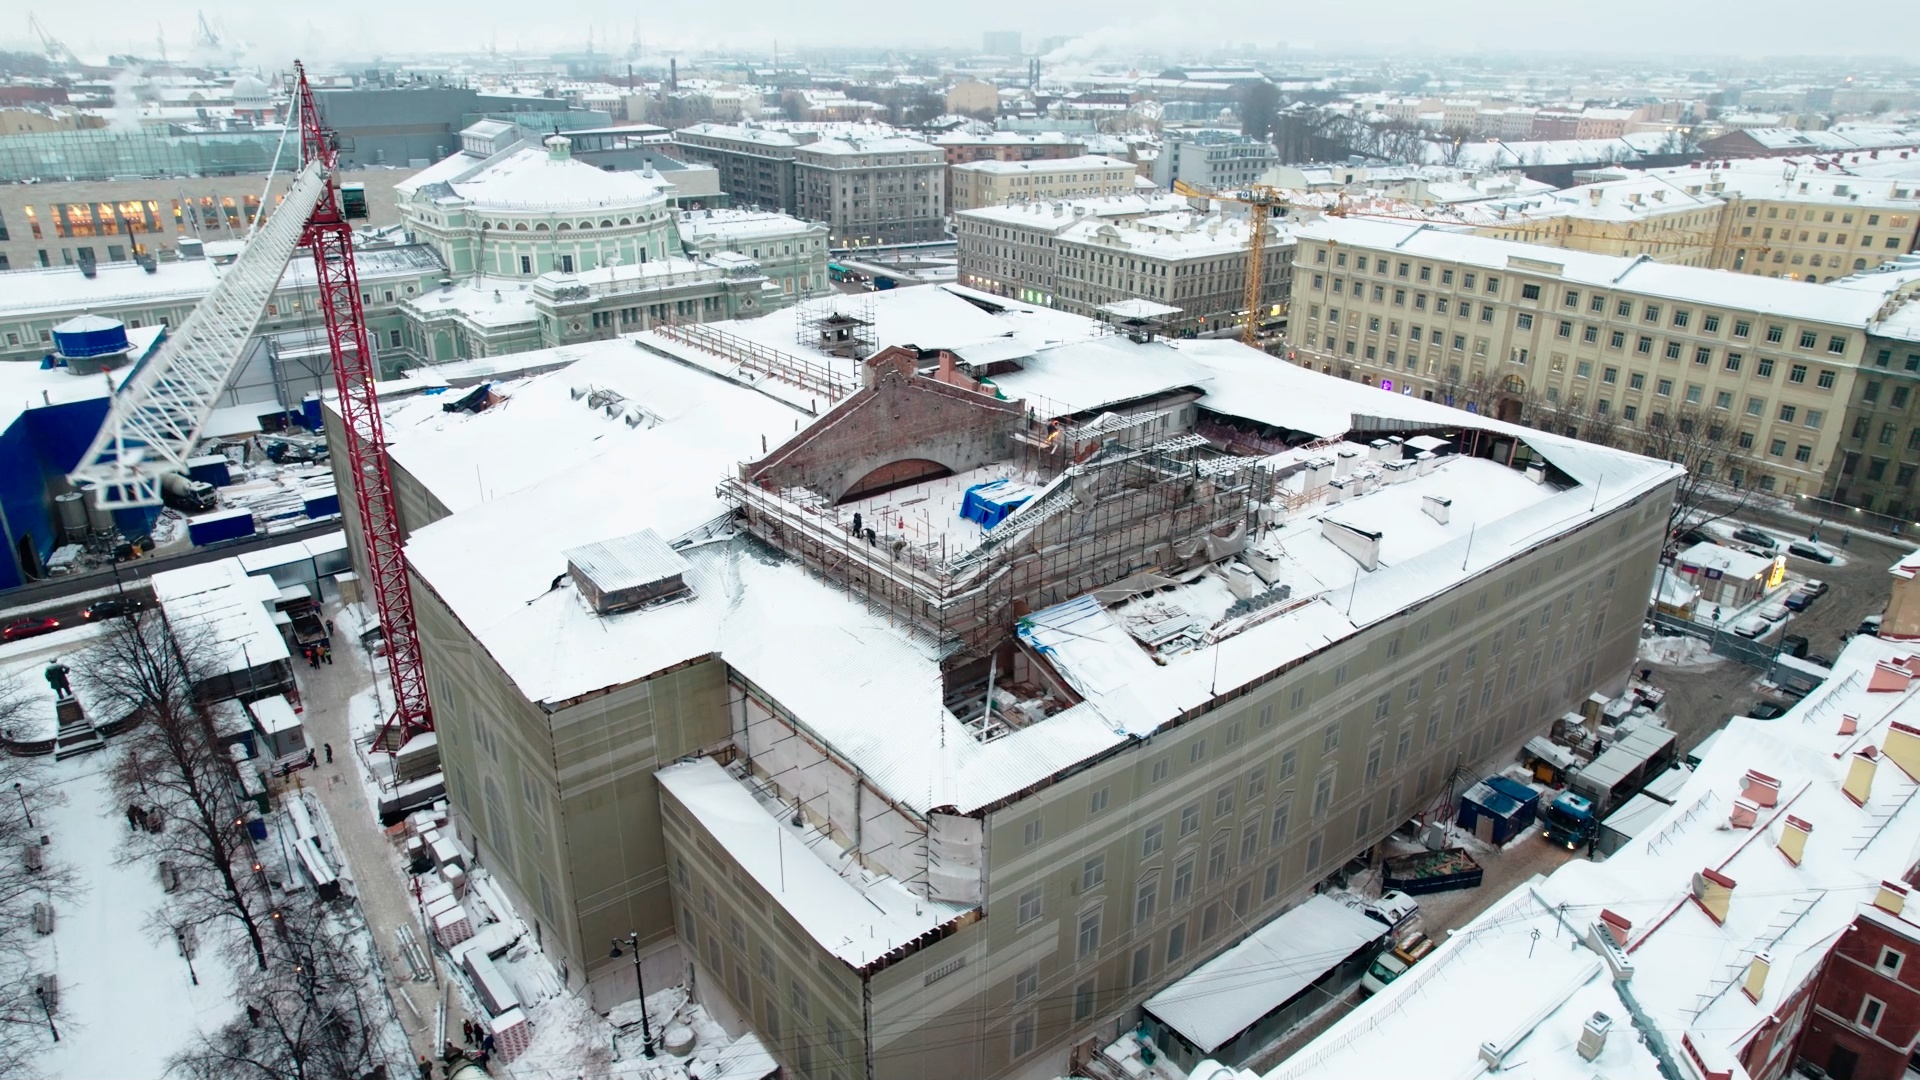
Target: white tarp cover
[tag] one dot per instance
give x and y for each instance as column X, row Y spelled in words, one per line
column 1227, row 994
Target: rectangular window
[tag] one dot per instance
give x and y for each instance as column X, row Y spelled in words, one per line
column 1093, row 873
column 1145, row 897
column 1182, row 880
column 1277, row 835
column 1150, row 840
column 1031, row 904
column 1871, row 1009
column 1089, row 938
column 1176, row 942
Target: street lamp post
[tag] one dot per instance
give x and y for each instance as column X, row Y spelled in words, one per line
column 646, row 1029
column 41, row 993
column 17, row 790
column 180, row 935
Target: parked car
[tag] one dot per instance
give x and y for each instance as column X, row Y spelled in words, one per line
column 1689, row 537
column 1869, row 626
column 112, row 608
column 1823, row 661
column 33, row 626
column 1773, row 612
column 1394, row 908
column 1814, row 587
column 1755, row 538
column 1794, row 645
column 1814, row 552
column 1798, row 600
column 1767, row 710
column 1751, row 626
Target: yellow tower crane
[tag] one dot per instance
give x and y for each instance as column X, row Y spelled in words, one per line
column 1261, row 201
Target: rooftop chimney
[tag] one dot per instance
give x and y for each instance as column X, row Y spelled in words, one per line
column 1618, row 926
column 1793, row 839
column 1593, row 1035
column 1756, row 982
column 1437, row 508
column 1888, row 679
column 1849, row 724
column 1760, row 789
column 1902, row 747
column 1713, row 891
column 1744, row 814
column 1892, row 898
column 1859, row 783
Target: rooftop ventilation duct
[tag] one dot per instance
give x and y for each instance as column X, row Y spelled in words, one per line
column 1437, row 508
column 1593, row 1035
column 627, row 572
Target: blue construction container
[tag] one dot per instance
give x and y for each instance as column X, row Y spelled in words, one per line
column 310, row 412
column 323, row 504
column 209, row 469
column 1497, row 809
column 991, row 502
column 220, row 525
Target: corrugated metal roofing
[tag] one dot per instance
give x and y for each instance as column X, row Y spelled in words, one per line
column 627, row 562
column 1226, row 995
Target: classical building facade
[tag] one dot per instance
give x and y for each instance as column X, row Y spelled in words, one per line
column 991, row 183
column 1446, row 316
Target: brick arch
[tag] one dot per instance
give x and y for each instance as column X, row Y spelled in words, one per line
column 894, row 474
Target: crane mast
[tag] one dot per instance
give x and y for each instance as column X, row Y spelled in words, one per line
column 328, row 235
column 154, row 420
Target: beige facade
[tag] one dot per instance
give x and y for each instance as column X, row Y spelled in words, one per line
column 995, row 183
column 63, row 223
column 872, row 191
column 1106, row 886
column 1454, row 317
column 973, row 96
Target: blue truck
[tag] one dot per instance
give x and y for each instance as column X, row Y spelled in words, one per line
column 1569, row 820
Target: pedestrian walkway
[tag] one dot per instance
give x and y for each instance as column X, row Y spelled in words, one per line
column 370, row 856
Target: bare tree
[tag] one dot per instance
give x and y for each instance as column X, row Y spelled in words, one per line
column 1709, row 450
column 308, row 1014
column 171, row 775
column 27, row 878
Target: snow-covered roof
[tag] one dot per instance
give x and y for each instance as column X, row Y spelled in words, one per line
column 733, row 226
column 25, row 385
column 845, row 908
column 530, row 178
column 1058, row 215
column 1776, row 296
column 1688, row 967
column 1731, row 562
column 1182, row 234
column 1224, row 996
column 221, row 609
column 534, row 474
column 1043, row 165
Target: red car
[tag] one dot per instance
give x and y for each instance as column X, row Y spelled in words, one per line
column 26, row 628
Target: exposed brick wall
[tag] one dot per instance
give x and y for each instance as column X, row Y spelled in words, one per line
column 900, row 418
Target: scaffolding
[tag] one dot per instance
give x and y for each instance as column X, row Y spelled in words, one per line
column 837, row 325
column 1169, row 508
column 808, row 375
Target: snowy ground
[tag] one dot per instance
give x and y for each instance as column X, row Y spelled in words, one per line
column 126, row 1002
column 1680, row 651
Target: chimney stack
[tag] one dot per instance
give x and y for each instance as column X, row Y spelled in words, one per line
column 1744, row 814
column 1713, row 891
column 1859, row 783
column 1593, row 1035
column 1756, row 982
column 1793, row 839
column 1902, row 747
column 1760, row 789
column 1437, row 508
column 1892, row 897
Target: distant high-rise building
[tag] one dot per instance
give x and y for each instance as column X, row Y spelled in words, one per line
column 1000, row 43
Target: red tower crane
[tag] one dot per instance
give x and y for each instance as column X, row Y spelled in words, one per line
column 330, row 238
column 154, row 419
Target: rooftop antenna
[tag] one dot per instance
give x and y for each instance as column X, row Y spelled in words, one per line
column 1469, row 554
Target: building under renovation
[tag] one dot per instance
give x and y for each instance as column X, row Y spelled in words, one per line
column 938, row 701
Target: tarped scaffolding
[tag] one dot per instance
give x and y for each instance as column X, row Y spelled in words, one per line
column 991, row 502
column 1232, row 1005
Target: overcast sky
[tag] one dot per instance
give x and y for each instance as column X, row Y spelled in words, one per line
column 367, row 27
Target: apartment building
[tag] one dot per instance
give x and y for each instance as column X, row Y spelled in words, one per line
column 1081, row 256
column 755, row 162
column 794, row 776
column 992, row 183
column 1009, row 250
column 1452, row 317
column 1804, row 219
column 1620, row 212
column 872, row 190
column 1212, row 160
column 1879, row 456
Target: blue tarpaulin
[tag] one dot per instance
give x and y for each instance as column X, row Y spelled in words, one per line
column 991, row 502
column 1509, row 804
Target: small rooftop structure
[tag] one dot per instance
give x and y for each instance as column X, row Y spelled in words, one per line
column 626, row 572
